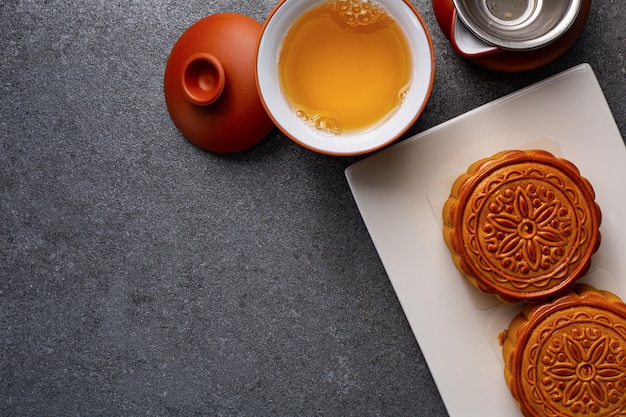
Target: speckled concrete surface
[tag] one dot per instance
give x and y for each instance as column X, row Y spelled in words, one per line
column 140, row 275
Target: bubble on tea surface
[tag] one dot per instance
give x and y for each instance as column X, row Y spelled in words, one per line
column 342, row 5
column 404, row 92
column 320, row 122
column 359, row 12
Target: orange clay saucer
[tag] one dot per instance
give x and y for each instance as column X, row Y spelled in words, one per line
column 503, row 60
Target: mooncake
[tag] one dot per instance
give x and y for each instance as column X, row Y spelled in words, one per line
column 567, row 357
column 522, row 225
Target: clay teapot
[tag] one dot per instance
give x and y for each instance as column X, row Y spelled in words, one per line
column 210, row 87
column 489, row 56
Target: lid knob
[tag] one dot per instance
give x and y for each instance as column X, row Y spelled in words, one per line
column 203, row 79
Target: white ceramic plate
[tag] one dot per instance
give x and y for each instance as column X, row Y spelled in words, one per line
column 400, row 192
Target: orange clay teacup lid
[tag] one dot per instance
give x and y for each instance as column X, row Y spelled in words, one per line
column 209, row 84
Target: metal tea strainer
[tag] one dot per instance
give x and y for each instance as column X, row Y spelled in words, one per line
column 518, row 24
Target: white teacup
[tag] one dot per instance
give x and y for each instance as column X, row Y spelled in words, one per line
column 353, row 142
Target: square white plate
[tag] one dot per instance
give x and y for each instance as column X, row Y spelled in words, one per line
column 400, row 191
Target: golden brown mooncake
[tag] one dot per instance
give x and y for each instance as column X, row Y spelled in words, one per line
column 567, row 357
column 522, row 225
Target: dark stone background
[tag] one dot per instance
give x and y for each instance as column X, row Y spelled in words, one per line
column 140, row 275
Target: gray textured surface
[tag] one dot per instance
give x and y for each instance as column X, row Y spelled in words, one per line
column 140, row 275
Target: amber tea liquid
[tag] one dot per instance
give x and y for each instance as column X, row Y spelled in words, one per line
column 345, row 65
